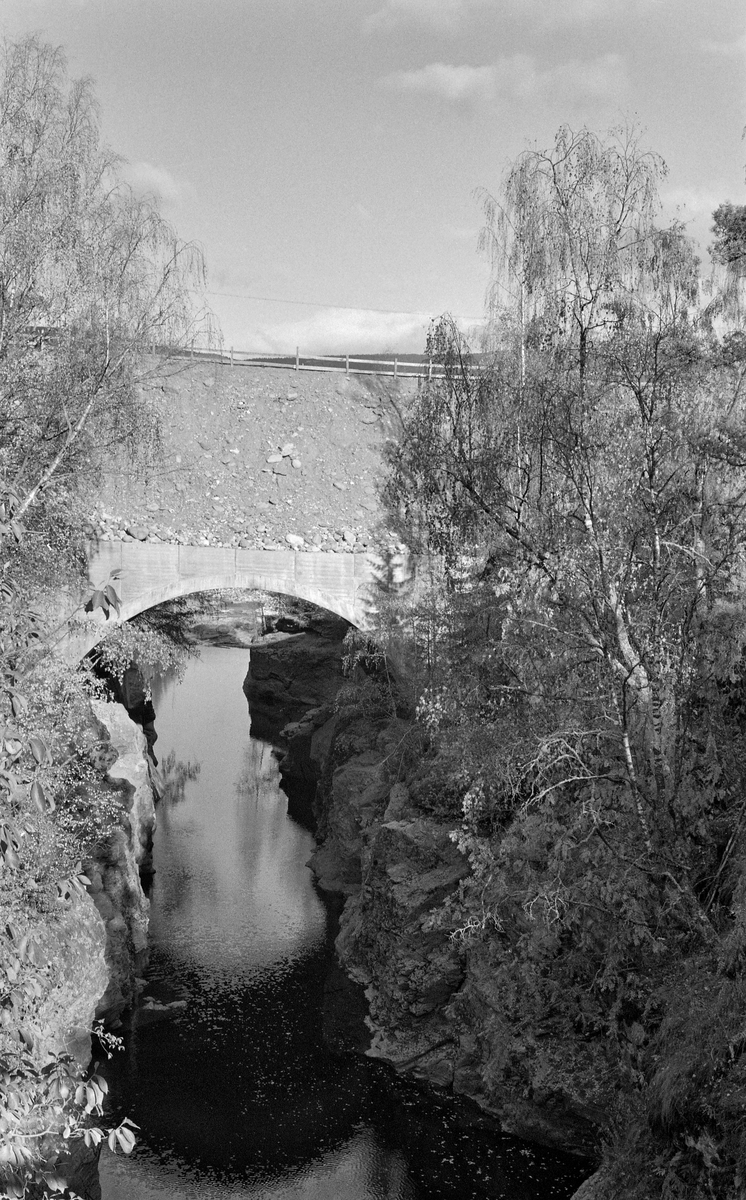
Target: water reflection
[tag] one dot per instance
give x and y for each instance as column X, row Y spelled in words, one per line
column 226, row 1069
column 228, row 895
column 356, row 1170
column 174, row 776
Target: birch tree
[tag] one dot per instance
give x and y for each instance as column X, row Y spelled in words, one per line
column 571, row 232
column 598, row 481
column 90, row 276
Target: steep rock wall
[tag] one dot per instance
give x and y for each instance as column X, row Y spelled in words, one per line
column 114, row 872
column 436, row 1010
column 93, row 945
column 72, row 945
column 292, row 672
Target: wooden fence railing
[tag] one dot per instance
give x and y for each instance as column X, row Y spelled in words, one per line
column 398, row 368
column 417, row 366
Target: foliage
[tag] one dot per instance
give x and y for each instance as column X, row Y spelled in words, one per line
column 48, row 1104
column 90, row 277
column 155, row 645
column 729, row 227
column 573, row 233
column 584, row 497
column 373, row 687
column 728, row 251
column 54, row 809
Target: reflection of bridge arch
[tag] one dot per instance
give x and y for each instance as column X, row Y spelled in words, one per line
column 149, row 573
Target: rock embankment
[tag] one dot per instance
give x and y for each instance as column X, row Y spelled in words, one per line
column 94, row 943
column 437, row 1012
column 72, row 945
column 259, row 458
column 436, row 1009
column 294, row 668
column 115, row 870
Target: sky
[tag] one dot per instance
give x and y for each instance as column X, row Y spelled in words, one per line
column 326, row 154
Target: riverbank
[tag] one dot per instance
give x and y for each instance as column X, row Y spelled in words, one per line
column 435, row 1014
column 456, row 1003
column 72, row 948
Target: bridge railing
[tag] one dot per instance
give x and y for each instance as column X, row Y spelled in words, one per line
column 405, row 367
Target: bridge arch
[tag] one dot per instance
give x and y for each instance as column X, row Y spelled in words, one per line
column 150, row 573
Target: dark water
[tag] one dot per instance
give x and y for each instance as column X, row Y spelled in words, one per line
column 234, row 1088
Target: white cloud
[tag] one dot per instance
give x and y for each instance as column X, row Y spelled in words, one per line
column 439, row 15
column 454, row 15
column 444, row 79
column 580, row 12
column 690, row 203
column 341, row 331
column 147, row 179
column 734, row 49
column 602, row 78
column 462, row 233
column 693, row 206
column 516, row 77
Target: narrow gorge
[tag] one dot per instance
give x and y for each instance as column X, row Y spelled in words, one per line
column 418, row 1115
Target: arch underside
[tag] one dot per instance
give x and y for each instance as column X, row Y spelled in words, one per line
column 348, row 609
column 145, row 575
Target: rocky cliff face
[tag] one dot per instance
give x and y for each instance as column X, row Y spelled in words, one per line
column 116, row 888
column 436, row 1010
column 72, row 945
column 93, row 945
column 293, row 669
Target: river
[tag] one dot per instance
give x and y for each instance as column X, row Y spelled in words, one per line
column 226, row 1067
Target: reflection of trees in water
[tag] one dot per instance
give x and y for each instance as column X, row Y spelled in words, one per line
column 176, row 775
column 258, row 768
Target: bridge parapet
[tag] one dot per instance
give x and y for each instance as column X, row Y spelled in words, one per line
column 148, row 574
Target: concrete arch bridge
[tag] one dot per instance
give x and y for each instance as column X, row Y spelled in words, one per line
column 149, row 573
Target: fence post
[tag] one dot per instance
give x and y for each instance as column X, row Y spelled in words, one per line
column 429, row 369
column 231, row 356
column 297, row 357
column 347, row 365
column 396, row 367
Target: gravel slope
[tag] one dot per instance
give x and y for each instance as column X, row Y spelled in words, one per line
column 259, row 457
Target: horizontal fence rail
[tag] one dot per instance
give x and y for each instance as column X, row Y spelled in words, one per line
column 407, row 367
column 398, row 368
